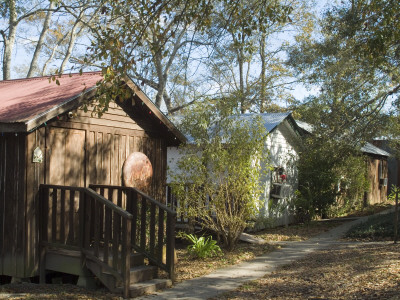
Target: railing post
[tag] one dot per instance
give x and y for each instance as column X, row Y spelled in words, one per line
column 170, row 251
column 143, row 216
column 126, row 255
column 43, row 209
column 134, row 212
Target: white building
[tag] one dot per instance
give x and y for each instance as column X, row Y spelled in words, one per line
column 280, row 183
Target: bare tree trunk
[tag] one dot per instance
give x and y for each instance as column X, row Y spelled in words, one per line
column 396, row 218
column 263, row 101
column 33, row 68
column 71, row 45
column 9, row 41
column 72, row 41
column 241, row 81
column 53, row 51
column 157, row 60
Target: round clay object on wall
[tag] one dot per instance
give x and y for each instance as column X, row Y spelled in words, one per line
column 137, row 171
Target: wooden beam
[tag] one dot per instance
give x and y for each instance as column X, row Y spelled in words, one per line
column 154, row 109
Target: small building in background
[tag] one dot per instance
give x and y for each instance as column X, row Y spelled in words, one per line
column 378, row 173
column 283, row 144
column 377, row 168
column 393, row 163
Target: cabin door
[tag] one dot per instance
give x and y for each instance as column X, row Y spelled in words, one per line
column 66, row 150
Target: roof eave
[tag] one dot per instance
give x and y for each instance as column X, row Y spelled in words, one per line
column 155, row 110
column 38, row 120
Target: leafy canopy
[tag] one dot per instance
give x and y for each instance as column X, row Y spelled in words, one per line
column 355, row 62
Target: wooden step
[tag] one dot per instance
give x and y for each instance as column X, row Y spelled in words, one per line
column 143, row 273
column 147, row 287
column 137, row 259
column 63, row 260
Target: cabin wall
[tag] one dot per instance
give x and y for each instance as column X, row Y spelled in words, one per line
column 86, row 149
column 283, row 146
column 393, row 164
column 12, row 212
column 35, row 175
column 377, row 192
column 77, row 151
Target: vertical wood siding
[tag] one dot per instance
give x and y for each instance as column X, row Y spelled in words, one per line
column 12, row 189
column 377, row 192
column 35, row 175
column 106, row 157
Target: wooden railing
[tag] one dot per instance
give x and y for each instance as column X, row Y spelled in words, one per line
column 153, row 224
column 106, row 236
column 80, row 219
column 59, row 216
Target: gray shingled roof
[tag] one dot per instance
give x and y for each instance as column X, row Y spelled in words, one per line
column 271, row 120
column 367, row 148
column 371, row 149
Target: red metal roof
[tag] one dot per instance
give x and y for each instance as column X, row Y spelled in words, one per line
column 23, row 99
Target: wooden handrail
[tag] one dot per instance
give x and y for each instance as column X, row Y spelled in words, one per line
column 123, row 213
column 100, row 223
column 153, row 224
column 117, row 187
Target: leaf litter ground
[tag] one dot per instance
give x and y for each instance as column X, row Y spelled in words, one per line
column 188, row 268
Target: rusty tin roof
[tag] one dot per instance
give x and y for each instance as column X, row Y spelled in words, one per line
column 24, row 100
column 28, row 103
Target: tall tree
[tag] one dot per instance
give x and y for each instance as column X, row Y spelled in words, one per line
column 15, row 12
column 355, row 62
column 36, row 24
column 248, row 59
column 46, row 24
column 159, row 42
column 147, row 36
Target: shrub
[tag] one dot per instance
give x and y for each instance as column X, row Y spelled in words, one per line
column 332, row 179
column 202, row 247
column 219, row 178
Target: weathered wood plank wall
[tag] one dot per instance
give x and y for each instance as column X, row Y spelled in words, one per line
column 12, row 212
column 35, row 175
column 377, row 192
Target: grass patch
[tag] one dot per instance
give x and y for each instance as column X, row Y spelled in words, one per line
column 379, row 227
column 298, row 232
column 370, row 210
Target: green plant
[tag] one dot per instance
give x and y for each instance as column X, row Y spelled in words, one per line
column 218, row 179
column 332, row 179
column 202, row 247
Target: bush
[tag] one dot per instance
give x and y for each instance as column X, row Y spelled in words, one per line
column 332, row 179
column 202, row 247
column 218, row 181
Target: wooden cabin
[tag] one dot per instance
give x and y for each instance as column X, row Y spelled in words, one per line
column 392, row 161
column 378, row 172
column 51, row 150
column 376, row 160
